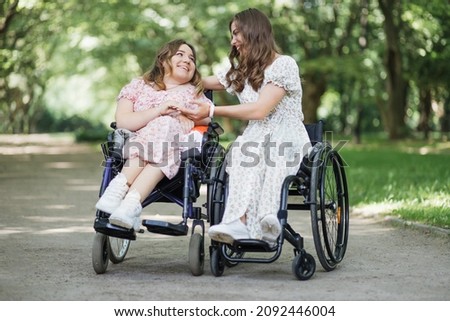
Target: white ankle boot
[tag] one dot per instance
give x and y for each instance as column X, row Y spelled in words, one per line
column 128, row 214
column 113, row 194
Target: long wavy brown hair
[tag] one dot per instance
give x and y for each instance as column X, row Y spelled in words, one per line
column 155, row 76
column 259, row 51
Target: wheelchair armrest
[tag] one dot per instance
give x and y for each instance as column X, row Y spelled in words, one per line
column 115, row 142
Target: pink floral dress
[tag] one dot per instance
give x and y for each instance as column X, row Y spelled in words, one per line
column 162, row 140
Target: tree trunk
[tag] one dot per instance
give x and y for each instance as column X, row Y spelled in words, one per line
column 425, row 112
column 396, row 85
column 313, row 89
column 445, row 119
column 357, row 130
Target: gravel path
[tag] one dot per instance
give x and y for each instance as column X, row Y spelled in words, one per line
column 48, row 189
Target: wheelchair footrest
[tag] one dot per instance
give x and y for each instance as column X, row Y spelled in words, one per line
column 103, row 226
column 166, row 228
column 252, row 245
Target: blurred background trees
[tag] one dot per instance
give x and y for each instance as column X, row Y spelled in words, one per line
column 368, row 66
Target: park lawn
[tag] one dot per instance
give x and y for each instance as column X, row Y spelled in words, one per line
column 407, row 179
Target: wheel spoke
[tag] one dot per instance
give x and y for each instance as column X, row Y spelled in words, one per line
column 118, row 249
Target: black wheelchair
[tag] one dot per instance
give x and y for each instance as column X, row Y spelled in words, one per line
column 321, row 183
column 111, row 243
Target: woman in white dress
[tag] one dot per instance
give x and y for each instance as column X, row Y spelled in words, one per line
column 272, row 145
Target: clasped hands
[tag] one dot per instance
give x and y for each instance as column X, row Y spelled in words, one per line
column 170, row 107
column 186, row 116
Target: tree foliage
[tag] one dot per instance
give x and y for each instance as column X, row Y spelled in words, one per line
column 366, row 65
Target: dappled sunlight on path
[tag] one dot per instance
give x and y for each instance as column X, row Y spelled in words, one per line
column 50, row 144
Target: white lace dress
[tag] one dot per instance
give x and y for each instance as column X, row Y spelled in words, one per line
column 268, row 150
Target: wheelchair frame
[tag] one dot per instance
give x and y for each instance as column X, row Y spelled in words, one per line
column 322, row 182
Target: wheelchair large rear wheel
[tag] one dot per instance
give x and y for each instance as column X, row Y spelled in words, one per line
column 118, row 249
column 329, row 207
column 218, row 201
column 219, row 194
column 214, row 173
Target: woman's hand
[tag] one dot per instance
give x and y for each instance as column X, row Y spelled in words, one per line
column 185, row 123
column 196, row 114
column 169, row 108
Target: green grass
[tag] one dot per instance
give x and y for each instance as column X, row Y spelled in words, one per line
column 410, row 179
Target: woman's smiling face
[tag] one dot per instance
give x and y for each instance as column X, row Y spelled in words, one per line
column 183, row 65
column 237, row 39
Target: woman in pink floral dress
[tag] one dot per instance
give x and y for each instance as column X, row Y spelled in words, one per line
column 147, row 107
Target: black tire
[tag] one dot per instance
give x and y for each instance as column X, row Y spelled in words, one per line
column 303, row 266
column 219, row 194
column 118, row 249
column 213, row 174
column 219, row 201
column 100, row 253
column 329, row 207
column 216, row 262
column 196, row 254
column 336, row 223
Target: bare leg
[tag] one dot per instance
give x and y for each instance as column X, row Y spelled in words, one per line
column 132, row 168
column 146, row 180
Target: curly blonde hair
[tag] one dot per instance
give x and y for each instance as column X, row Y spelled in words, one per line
column 155, row 76
column 260, row 49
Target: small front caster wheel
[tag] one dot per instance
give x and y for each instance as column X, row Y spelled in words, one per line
column 196, row 254
column 303, row 266
column 100, row 253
